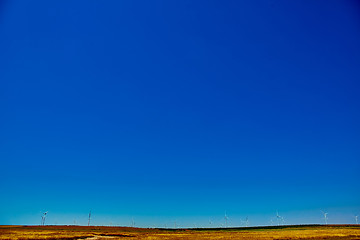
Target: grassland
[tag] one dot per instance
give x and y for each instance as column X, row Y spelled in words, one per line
column 331, row 232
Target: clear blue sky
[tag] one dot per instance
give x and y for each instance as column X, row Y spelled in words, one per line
column 179, row 110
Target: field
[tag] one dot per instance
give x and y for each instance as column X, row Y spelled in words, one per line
column 313, row 232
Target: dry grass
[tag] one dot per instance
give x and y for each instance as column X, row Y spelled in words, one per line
column 344, row 232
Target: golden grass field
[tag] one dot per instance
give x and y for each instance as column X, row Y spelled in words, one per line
column 331, row 232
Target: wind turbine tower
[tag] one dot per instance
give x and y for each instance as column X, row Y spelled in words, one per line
column 356, row 219
column 89, row 218
column 325, row 217
column 246, row 222
column 226, row 220
column 271, row 221
column 43, row 217
column 279, row 218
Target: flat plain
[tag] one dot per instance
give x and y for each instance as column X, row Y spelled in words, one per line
column 313, row 232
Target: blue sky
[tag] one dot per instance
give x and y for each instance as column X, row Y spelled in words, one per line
column 179, row 110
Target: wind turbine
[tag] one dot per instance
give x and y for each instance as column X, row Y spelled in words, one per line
column 226, row 220
column 89, row 218
column 246, row 222
column 271, row 221
column 325, row 217
column 132, row 222
column 43, row 217
column 356, row 219
column 279, row 218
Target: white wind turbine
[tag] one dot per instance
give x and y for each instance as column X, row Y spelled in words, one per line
column 89, row 218
column 177, row 224
column 356, row 219
column 43, row 217
column 226, row 220
column 246, row 222
column 325, row 217
column 280, row 219
column 271, row 221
